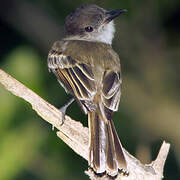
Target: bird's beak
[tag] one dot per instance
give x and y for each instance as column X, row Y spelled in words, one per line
column 113, row 14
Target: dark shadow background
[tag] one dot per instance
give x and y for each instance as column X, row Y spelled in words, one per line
column 148, row 41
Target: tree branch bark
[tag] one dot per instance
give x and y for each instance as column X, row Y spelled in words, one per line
column 76, row 136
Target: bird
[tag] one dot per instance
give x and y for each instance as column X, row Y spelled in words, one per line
column 86, row 65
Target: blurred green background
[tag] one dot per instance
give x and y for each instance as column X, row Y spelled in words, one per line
column 148, row 41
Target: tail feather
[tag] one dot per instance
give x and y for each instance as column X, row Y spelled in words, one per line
column 118, row 149
column 112, row 168
column 105, row 150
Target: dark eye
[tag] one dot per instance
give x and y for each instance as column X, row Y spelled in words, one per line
column 88, row 29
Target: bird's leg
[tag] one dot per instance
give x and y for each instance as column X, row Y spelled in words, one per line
column 64, row 108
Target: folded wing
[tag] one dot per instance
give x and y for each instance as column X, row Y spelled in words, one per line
column 77, row 78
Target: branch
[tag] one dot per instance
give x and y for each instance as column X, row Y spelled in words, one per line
column 76, row 136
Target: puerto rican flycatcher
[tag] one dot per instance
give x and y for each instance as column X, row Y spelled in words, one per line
column 87, row 67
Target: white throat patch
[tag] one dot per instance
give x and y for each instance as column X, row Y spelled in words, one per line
column 106, row 33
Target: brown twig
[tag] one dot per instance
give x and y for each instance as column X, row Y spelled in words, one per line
column 76, row 136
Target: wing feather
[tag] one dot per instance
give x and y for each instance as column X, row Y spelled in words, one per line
column 111, row 90
column 75, row 77
column 86, row 70
column 84, row 79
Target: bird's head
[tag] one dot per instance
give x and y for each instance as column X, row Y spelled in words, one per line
column 92, row 23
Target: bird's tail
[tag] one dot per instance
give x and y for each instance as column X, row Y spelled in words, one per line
column 105, row 150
